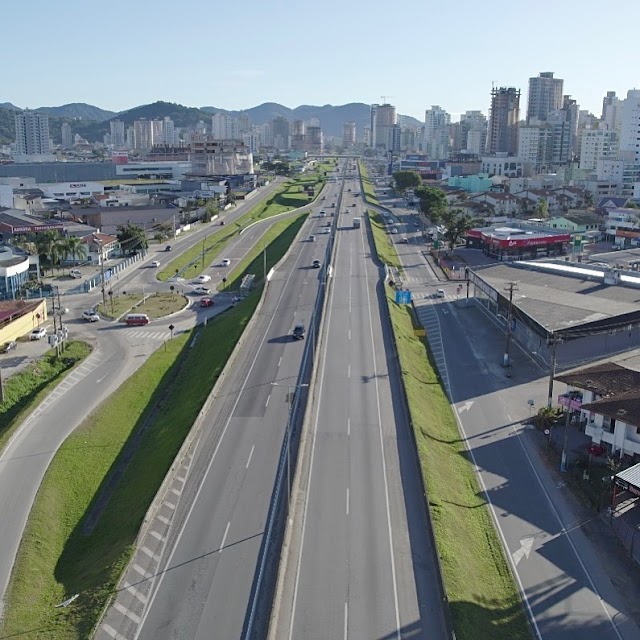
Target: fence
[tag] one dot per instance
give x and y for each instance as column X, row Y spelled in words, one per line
column 110, row 272
column 628, row 535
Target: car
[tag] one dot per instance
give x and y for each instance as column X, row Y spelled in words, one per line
column 298, row 332
column 201, row 279
column 38, row 334
column 312, row 238
column 394, row 230
column 222, row 223
column 168, row 248
column 236, row 299
column 405, row 240
column 90, row 315
column 323, row 214
column 8, row 346
column 326, row 230
column 440, row 293
column 333, row 204
column 202, row 291
column 155, row 263
column 75, row 273
column 315, row 264
column 354, row 205
column 226, row 262
column 206, row 302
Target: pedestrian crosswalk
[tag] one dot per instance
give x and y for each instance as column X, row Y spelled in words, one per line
column 145, row 336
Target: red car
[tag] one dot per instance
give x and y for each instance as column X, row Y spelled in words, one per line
column 206, row 302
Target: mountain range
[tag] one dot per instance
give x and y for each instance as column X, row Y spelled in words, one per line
column 92, row 122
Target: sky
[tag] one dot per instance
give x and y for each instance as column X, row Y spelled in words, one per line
column 410, row 53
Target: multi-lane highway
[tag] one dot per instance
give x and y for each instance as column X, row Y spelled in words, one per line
column 359, row 563
column 201, row 581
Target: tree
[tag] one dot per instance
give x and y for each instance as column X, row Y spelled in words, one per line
column 456, row 223
column 46, row 242
column 406, row 180
column 432, row 202
column 542, row 208
column 132, row 238
column 74, row 247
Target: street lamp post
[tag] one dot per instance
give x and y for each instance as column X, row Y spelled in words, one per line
column 288, row 433
column 98, row 241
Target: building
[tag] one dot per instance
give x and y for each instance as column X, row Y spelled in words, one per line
column 622, row 226
column 577, row 222
column 224, row 127
column 348, row 135
column 473, row 133
column 384, row 119
column 169, row 132
column 32, row 136
column 611, row 118
column 14, row 222
column 280, row 131
column 143, row 131
column 66, row 135
column 116, row 128
column 502, row 130
column 630, row 128
column 219, row 157
column 314, row 139
column 502, row 164
column 595, row 145
column 297, row 137
column 14, row 270
column 545, row 96
column 71, row 190
column 154, row 170
column 436, row 133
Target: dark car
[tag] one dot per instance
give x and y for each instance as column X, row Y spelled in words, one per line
column 298, row 332
column 168, row 248
column 8, row 346
column 315, row 264
column 206, row 302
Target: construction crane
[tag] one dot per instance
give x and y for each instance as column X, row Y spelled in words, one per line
column 385, row 98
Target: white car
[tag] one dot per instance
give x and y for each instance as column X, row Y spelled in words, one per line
column 226, row 262
column 440, row 293
column 155, row 263
column 75, row 273
column 91, row 316
column 202, row 279
column 202, row 291
column 38, row 334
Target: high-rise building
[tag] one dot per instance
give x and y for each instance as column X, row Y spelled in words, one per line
column 66, row 135
column 313, row 138
column 168, row 132
column 384, row 120
column 280, row 131
column 545, row 95
column 116, row 128
column 298, row 131
column 224, row 127
column 502, row 131
column 32, row 133
column 157, row 131
column 597, row 144
column 142, row 134
column 348, row 134
column 630, row 128
column 611, row 111
column 436, row 133
column 473, row 132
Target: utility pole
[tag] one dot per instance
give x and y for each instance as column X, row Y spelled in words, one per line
column 553, row 341
column 511, row 287
column 563, row 462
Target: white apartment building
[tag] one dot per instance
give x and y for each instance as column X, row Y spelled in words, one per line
column 630, row 127
column 595, row 145
column 224, row 127
column 436, row 133
column 503, row 164
column 116, row 127
column 622, row 225
column 33, row 143
column 611, row 111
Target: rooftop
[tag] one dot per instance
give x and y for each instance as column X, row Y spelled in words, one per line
column 607, row 379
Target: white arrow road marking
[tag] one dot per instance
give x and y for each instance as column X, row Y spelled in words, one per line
column 526, row 544
column 99, row 380
column 466, row 406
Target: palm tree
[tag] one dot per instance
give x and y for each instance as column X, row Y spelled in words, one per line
column 75, row 248
column 45, row 243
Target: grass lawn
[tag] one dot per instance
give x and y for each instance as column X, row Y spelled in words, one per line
column 277, row 240
column 367, row 185
column 384, row 247
column 25, row 390
column 56, row 559
column 155, row 305
column 484, row 600
column 290, row 195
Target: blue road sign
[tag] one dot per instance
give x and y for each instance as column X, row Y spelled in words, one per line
column 403, row 297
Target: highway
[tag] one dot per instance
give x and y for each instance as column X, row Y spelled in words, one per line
column 559, row 570
column 118, row 352
column 359, row 563
column 203, row 574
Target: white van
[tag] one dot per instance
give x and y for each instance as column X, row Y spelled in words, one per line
column 75, row 273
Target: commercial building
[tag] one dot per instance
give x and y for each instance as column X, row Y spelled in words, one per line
column 71, row 190
column 15, row 222
column 630, row 128
column 502, row 131
column 14, row 270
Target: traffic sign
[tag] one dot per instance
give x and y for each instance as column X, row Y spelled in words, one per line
column 403, row 297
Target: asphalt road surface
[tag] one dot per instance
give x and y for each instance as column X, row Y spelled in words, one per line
column 203, row 582
column 360, row 564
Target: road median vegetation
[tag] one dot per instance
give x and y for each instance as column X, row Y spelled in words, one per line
column 59, row 555
column 484, row 600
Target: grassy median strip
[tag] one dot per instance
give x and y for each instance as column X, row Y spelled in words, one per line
column 25, row 390
column 290, row 195
column 484, row 600
column 367, row 185
column 155, row 305
column 56, row 559
column 384, row 247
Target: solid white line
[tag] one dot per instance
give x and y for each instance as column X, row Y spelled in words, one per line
column 125, row 612
column 250, row 454
column 347, row 500
column 215, row 452
column 384, row 463
column 346, row 620
column 349, row 334
column 280, row 361
column 348, row 426
column 266, row 404
column 224, row 537
column 348, row 371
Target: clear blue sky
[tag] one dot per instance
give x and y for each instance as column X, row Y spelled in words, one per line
column 124, row 53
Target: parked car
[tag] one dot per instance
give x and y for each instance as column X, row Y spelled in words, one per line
column 8, row 346
column 206, row 302
column 201, row 279
column 440, row 293
column 155, row 263
column 226, row 262
column 38, row 334
column 91, row 316
column 75, row 273
column 202, row 291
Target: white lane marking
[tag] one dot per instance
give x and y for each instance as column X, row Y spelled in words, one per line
column 250, row 455
column 112, row 632
column 158, row 536
column 348, row 371
column 135, row 593
column 224, row 537
column 280, row 362
column 163, row 520
column 150, row 553
column 125, row 612
column 266, row 404
column 175, row 491
column 347, row 500
column 384, row 463
column 171, row 506
column 349, row 334
column 346, row 620
column 141, row 571
column 156, row 587
column 181, row 478
column 348, row 426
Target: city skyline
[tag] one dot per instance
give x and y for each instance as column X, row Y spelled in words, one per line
column 278, row 59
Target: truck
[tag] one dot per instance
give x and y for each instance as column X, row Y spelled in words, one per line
column 356, row 223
